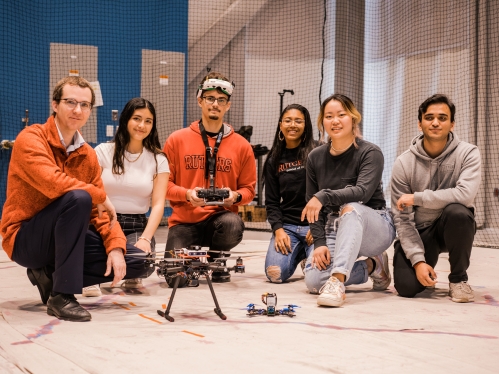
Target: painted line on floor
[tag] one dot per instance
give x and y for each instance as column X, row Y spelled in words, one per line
column 489, row 300
column 342, row 328
column 193, row 333
column 140, row 315
column 42, row 331
column 121, row 306
column 151, row 319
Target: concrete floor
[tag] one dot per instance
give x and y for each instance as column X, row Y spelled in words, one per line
column 376, row 332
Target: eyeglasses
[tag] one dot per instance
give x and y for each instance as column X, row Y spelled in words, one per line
column 222, row 101
column 84, row 105
column 289, row 121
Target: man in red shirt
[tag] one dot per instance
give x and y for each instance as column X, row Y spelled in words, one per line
column 209, row 150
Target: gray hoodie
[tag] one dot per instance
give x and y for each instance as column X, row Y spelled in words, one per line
column 451, row 177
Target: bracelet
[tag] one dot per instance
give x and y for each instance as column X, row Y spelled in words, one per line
column 147, row 240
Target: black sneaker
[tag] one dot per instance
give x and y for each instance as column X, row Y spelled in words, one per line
column 220, row 277
column 65, row 307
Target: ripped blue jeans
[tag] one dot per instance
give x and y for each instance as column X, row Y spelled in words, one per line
column 287, row 264
column 361, row 232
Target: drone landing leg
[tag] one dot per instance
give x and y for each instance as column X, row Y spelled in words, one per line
column 166, row 313
column 217, row 310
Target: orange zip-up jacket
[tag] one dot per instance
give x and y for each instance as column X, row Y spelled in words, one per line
column 236, row 169
column 40, row 171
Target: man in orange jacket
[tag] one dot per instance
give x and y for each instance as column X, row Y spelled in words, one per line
column 209, row 150
column 54, row 190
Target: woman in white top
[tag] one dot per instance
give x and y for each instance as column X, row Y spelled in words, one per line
column 135, row 175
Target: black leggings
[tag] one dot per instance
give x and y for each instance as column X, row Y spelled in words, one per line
column 452, row 232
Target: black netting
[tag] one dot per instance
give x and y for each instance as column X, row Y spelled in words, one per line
column 387, row 55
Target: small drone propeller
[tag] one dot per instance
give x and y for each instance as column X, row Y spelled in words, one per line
column 249, row 307
column 155, row 258
column 144, row 254
column 236, row 254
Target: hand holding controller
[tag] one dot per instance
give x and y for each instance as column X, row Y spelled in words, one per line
column 213, row 196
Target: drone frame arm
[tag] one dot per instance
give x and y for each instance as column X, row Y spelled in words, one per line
column 217, row 309
column 166, row 313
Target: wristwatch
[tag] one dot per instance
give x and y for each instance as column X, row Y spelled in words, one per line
column 238, row 198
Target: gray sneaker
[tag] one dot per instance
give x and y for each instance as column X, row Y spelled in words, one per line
column 461, row 292
column 381, row 275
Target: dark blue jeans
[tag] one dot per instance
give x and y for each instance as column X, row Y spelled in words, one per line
column 59, row 238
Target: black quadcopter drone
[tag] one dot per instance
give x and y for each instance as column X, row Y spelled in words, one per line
column 270, row 300
column 190, row 264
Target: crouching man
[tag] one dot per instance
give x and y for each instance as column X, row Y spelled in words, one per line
column 434, row 185
column 54, row 191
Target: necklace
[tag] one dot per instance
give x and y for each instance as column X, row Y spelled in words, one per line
column 340, row 150
column 140, row 154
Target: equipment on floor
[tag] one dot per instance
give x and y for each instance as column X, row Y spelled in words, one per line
column 270, row 300
column 189, row 264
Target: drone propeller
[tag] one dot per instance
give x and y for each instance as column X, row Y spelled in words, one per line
column 236, row 254
column 144, row 254
column 249, row 307
column 219, row 252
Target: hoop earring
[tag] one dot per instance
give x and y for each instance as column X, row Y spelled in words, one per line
column 279, row 136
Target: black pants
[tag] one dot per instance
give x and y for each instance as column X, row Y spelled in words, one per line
column 222, row 232
column 452, row 232
column 58, row 238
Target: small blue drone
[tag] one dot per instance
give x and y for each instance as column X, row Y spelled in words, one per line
column 270, row 299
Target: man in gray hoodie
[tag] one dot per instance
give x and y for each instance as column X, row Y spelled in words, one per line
column 434, row 185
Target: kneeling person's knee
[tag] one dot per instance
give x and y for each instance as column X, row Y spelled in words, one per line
column 274, row 274
column 313, row 279
column 346, row 209
column 458, row 213
column 407, row 289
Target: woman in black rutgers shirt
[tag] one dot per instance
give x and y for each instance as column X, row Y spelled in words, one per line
column 285, row 184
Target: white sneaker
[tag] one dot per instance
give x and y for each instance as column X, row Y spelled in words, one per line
column 381, row 275
column 332, row 293
column 92, row 291
column 461, row 292
column 132, row 283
